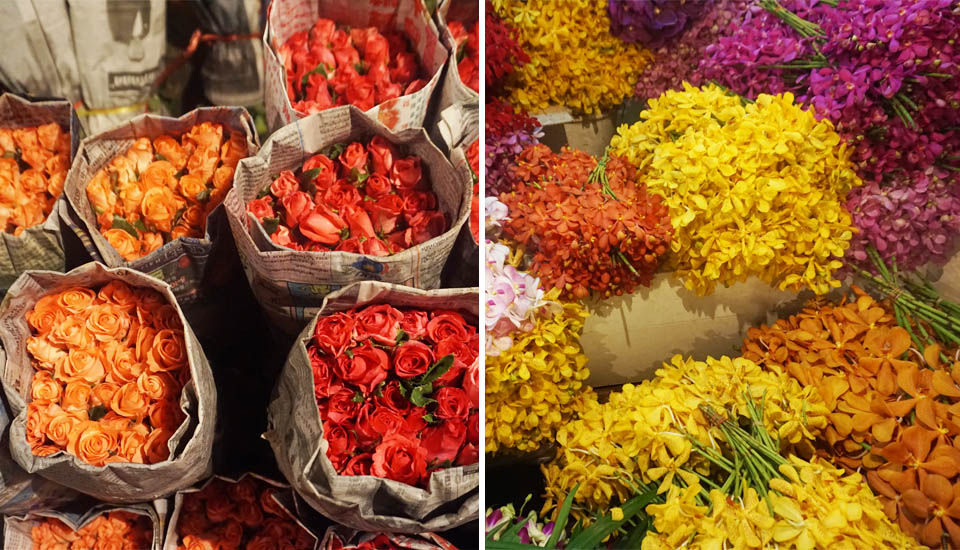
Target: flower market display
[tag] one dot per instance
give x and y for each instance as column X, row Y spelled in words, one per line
column 33, row 166
column 120, row 529
column 397, row 390
column 359, row 197
column 333, row 64
column 163, row 189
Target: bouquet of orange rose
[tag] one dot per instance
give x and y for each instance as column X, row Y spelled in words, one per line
column 164, row 189
column 119, row 530
column 110, row 365
column 226, row 515
column 33, row 166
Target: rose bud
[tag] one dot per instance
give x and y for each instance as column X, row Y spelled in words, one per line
column 400, row 458
column 359, row 221
column 361, row 94
column 322, row 31
column 378, row 186
column 346, row 56
column 320, row 54
column 403, row 68
column 376, row 50
column 388, row 91
column 327, row 174
column 443, row 441
column 376, row 247
column 381, row 154
column 295, row 204
column 385, row 213
column 354, row 157
column 406, row 173
column 322, row 225
column 427, row 225
column 281, row 236
column 261, row 208
column 285, row 184
column 353, row 244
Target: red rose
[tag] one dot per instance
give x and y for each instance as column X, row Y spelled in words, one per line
column 376, row 247
column 320, row 54
column 385, row 212
column 285, row 184
column 248, row 514
column 340, row 443
column 411, row 359
column 471, row 384
column 318, row 92
column 322, row 225
column 367, row 436
column 385, row 421
column 322, row 367
column 468, row 455
column 427, row 225
column 327, row 174
column 380, row 76
column 261, row 208
column 400, row 459
column 452, row 376
column 447, row 324
column 346, row 56
column 341, row 82
column 339, row 195
column 391, row 398
column 342, row 409
column 219, row 507
column 367, row 368
column 402, row 239
column 360, row 35
column 354, row 157
column 378, row 186
column 473, row 428
column 381, row 154
column 403, row 68
column 334, row 333
column 456, row 347
column 359, row 465
column 379, row 323
column 418, row 201
column 359, row 221
column 377, row 50
column 413, row 423
column 406, row 173
column 353, row 245
column 361, row 93
column 443, row 441
column 322, row 31
column 415, row 86
column 295, row 205
column 282, row 237
column 452, row 403
column 387, row 91
column 414, row 323
column 469, row 73
column 339, row 39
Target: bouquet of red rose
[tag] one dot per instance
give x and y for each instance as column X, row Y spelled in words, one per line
column 332, row 65
column 365, row 198
column 473, row 158
column 397, row 391
column 468, row 53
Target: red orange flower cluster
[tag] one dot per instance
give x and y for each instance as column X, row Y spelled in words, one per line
column 33, row 166
column 332, row 65
column 895, row 412
column 398, row 391
column 468, row 53
column 164, row 189
column 234, row 516
column 590, row 228
column 111, row 531
column 361, row 198
column 110, row 365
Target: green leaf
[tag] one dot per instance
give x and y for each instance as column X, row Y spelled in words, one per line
column 263, row 192
column 98, row 210
column 418, row 399
column 363, row 177
column 429, row 418
column 345, row 233
column 461, row 52
column 204, row 195
column 334, row 151
column 307, row 177
column 158, row 156
column 357, row 397
column 140, row 226
column 177, row 215
column 97, row 412
column 349, row 353
column 120, row 222
column 402, row 336
column 318, row 69
column 270, row 225
column 562, row 517
column 361, row 67
column 404, row 390
column 438, row 369
column 604, row 526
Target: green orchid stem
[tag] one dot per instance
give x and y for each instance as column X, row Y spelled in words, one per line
column 626, row 262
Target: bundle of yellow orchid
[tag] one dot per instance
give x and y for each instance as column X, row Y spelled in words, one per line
column 753, row 190
column 647, row 432
column 574, row 60
column 536, row 386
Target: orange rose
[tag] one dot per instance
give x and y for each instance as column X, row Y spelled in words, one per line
column 168, row 147
column 46, row 313
column 76, row 299
column 45, row 355
column 129, row 401
column 168, row 352
column 7, row 144
column 131, row 194
column 56, row 165
column 48, row 135
column 76, row 397
column 234, row 149
column 223, row 177
column 71, row 332
column 60, row 426
column 131, row 443
column 81, row 364
column 144, row 338
column 124, row 243
column 158, row 208
column 150, row 242
column 107, row 323
column 183, row 230
column 167, row 317
column 167, row 415
column 206, row 135
column 156, row 448
column 140, row 154
column 45, row 389
column 190, row 186
column 102, row 393
column 158, row 386
column 113, row 422
column 119, row 294
column 121, row 170
column 35, row 156
column 89, row 442
column 203, row 163
column 33, row 182
column 195, row 216
column 55, row 183
column 121, row 363
column 45, row 450
column 191, row 542
column 100, row 193
column 159, row 174
column 38, row 418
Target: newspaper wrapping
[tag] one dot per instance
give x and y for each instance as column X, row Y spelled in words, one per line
column 105, row 54
column 453, row 90
column 17, row 529
column 172, row 539
column 366, row 503
column 181, row 262
column 290, row 285
column 286, row 17
column 192, row 443
column 344, row 538
column 40, row 246
column 463, row 265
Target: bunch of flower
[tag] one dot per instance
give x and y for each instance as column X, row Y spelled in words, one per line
column 503, row 54
column 591, row 226
column 533, row 531
column 468, row 53
column 511, row 301
column 507, row 134
column 332, row 65
column 363, row 197
column 33, row 166
column 679, row 59
column 163, row 190
column 114, row 530
column 652, row 22
column 756, row 190
column 398, row 391
column 244, row 514
column 892, row 408
column 110, row 364
column 649, row 432
column 574, row 60
column 473, row 159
